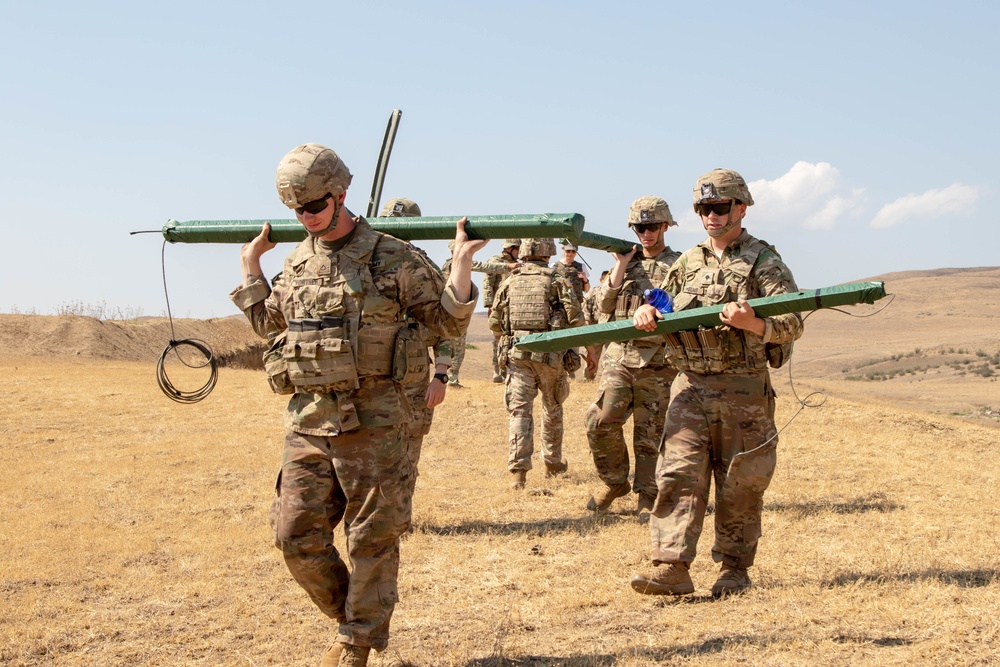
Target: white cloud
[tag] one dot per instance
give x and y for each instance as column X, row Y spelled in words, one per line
column 808, row 195
column 952, row 200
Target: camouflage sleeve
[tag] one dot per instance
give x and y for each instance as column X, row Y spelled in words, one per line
column 673, row 282
column 493, row 266
column 774, row 277
column 607, row 297
column 262, row 306
column 444, row 351
column 570, row 304
column 422, row 291
column 498, row 315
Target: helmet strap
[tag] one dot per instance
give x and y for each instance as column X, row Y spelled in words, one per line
column 333, row 221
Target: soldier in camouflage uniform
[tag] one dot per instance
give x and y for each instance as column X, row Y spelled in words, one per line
column 636, row 378
column 591, row 315
column 573, row 270
column 720, row 422
column 534, row 298
column 428, row 391
column 333, row 319
column 457, row 345
column 497, row 268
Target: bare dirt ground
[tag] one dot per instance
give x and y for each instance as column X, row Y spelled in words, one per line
column 134, row 531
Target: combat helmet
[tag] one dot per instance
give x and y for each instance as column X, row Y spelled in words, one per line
column 650, row 210
column 537, row 248
column 310, row 172
column 400, row 208
column 511, row 243
column 721, row 184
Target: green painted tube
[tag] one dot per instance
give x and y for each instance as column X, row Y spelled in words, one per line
column 707, row 316
column 601, row 242
column 539, row 225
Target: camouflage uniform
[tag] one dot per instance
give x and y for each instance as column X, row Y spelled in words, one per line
column 345, row 458
column 457, row 345
column 720, row 422
column 420, row 422
column 571, row 272
column 528, row 373
column 496, row 271
column 591, row 316
column 635, row 381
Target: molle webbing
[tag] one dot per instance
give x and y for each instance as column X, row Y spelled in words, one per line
column 528, row 295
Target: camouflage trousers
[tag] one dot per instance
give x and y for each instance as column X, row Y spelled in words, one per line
column 525, row 379
column 720, row 426
column 361, row 479
column 640, row 393
column 457, row 357
column 419, row 424
column 496, row 361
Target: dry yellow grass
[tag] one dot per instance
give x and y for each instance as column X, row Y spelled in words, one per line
column 134, row 532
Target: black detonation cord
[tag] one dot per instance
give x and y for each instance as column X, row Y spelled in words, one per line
column 172, row 392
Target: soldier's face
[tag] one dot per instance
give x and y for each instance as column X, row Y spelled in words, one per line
column 315, row 222
column 650, row 234
column 718, row 217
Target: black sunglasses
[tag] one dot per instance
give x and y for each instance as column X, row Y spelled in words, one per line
column 647, row 227
column 718, row 209
column 315, row 206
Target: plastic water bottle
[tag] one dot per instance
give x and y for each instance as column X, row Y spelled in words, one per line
column 659, row 299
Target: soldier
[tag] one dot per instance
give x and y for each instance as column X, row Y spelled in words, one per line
column 534, row 298
column 423, row 394
column 333, row 319
column 497, row 268
column 720, row 421
column 573, row 271
column 591, row 315
column 457, row 345
column 636, row 378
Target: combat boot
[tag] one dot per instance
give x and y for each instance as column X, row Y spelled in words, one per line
column 643, row 506
column 553, row 469
column 332, row 657
column 519, row 477
column 664, row 579
column 498, row 378
column 354, row 656
column 731, row 581
column 602, row 500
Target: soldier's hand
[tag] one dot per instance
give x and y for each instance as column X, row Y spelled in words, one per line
column 252, row 250
column 645, row 318
column 740, row 315
column 626, row 257
column 435, row 393
column 463, row 244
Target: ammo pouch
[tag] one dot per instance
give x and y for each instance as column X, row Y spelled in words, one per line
column 276, row 367
column 700, row 351
column 318, row 357
column 377, row 348
column 409, row 357
column 571, row 360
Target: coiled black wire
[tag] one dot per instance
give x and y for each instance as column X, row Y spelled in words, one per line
column 166, row 386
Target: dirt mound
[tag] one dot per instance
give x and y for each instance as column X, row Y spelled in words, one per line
column 231, row 339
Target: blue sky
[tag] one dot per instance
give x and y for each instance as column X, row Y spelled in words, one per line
column 867, row 130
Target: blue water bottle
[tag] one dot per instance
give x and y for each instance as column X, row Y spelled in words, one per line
column 659, row 299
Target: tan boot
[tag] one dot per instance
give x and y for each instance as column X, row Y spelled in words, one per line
column 332, row 657
column 553, row 469
column 519, row 477
column 354, row 656
column 602, row 500
column 664, row 579
column 731, row 581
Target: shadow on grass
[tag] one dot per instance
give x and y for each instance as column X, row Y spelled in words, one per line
column 653, row 655
column 583, row 525
column 961, row 578
column 872, row 502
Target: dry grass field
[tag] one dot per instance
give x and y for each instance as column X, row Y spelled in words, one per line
column 133, row 530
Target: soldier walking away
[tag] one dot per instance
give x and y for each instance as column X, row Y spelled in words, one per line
column 426, row 391
column 497, row 268
column 575, row 273
column 591, row 315
column 720, row 422
column 636, row 378
column 334, row 320
column 534, row 298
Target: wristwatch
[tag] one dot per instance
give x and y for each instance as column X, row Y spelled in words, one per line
column 443, row 377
